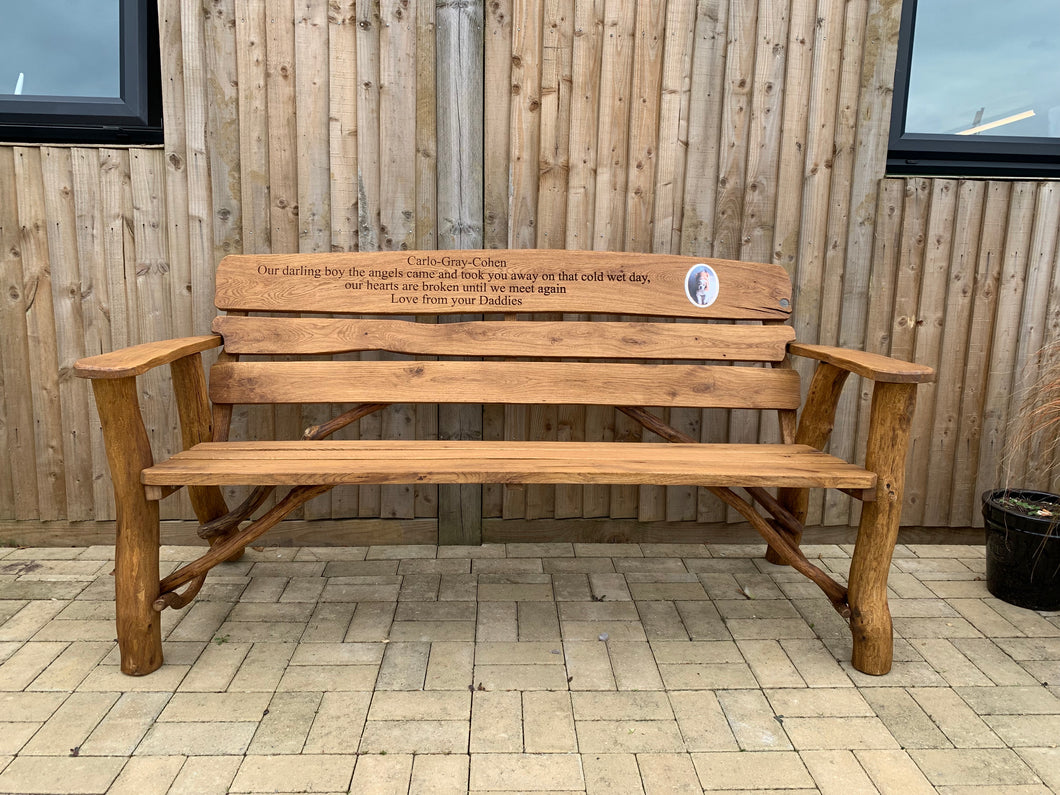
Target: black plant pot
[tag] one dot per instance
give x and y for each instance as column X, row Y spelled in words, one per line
column 1022, row 552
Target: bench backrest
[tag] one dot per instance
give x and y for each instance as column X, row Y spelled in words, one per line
column 573, row 359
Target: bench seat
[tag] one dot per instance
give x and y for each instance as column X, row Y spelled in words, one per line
column 394, row 461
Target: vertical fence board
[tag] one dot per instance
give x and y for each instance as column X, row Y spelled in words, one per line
column 57, row 176
column 952, row 342
column 994, row 467
column 16, row 361
column 40, row 333
column 964, row 504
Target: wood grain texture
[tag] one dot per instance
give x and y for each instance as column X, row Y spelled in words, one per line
column 566, row 339
column 330, row 463
column 503, row 382
column 504, row 280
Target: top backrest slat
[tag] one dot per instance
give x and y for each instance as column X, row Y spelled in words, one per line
column 443, row 282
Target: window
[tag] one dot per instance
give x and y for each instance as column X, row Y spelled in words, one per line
column 977, row 89
column 80, row 71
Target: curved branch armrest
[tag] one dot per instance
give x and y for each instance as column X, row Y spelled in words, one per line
column 870, row 365
column 141, row 358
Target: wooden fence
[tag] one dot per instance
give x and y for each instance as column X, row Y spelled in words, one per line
column 732, row 128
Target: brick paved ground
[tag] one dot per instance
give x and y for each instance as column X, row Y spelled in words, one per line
column 552, row 667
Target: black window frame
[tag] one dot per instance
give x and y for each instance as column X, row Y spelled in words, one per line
column 133, row 118
column 926, row 154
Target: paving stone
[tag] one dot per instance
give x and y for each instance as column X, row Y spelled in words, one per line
column 71, row 724
column 497, row 621
column 450, row 666
column 304, row 773
column 702, row 721
column 957, row 720
column 206, row 775
column 904, row 718
column 707, row 676
column 458, row 588
column 506, row 566
column 838, row 773
column 588, row 666
column 371, row 621
column 668, row 773
column 71, row 667
column 515, row 592
column 542, row 550
column 634, row 666
column 197, row 739
column 1045, row 762
column 125, row 724
column 982, row 767
column 419, row 706
column 13, row 736
column 593, row 630
column 838, row 733
column 1018, row 731
column 1010, row 700
column 27, row 663
column 316, row 678
column 415, row 737
column 702, row 621
column 751, row 770
column 538, row 621
column 578, row 565
column 526, row 772
column 496, row 722
column 283, row 728
column 572, row 587
column 262, row 668
column 661, row 621
column 420, row 587
column 753, row 723
column 548, row 723
column 519, row 653
column 216, row 665
column 404, row 666
column 338, row 723
column 609, row 587
column 434, row 774
column 386, row 569
column 382, row 775
column 30, row 707
column 521, row 677
column 611, row 774
column 28, row 775
column 770, row 663
column 629, row 736
column 434, row 566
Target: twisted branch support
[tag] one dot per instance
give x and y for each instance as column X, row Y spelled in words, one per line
column 223, row 550
column 222, row 526
column 779, row 541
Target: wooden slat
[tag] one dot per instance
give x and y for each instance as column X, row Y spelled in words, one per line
column 16, row 358
column 497, row 97
column 40, row 333
column 503, row 382
column 57, row 171
column 954, row 339
column 524, row 281
column 295, row 463
column 342, row 123
column 569, row 339
column 964, row 503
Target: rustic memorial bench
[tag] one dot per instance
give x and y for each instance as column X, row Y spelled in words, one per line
column 637, row 366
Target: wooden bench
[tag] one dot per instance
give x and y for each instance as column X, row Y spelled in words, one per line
column 675, row 352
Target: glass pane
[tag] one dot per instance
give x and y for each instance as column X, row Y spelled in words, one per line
column 60, row 48
column 983, row 67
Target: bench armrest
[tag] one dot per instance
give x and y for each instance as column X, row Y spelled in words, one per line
column 870, row 365
column 141, row 358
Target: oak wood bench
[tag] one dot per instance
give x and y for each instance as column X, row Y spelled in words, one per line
column 636, row 365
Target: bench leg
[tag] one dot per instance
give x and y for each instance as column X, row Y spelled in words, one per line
column 870, row 619
column 136, row 581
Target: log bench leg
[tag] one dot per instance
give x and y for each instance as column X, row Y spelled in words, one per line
column 136, row 572
column 870, row 619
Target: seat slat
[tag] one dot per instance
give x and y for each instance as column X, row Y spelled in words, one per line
column 351, row 462
column 703, row 386
column 571, row 339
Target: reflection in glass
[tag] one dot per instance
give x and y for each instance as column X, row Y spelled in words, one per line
column 982, row 67
column 63, row 48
